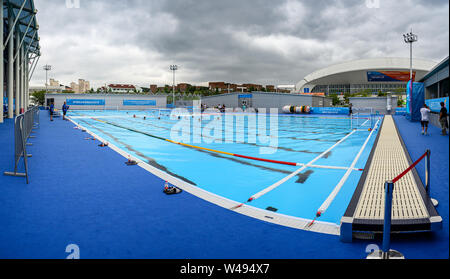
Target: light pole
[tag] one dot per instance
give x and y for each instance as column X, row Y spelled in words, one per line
column 173, row 68
column 47, row 68
column 410, row 38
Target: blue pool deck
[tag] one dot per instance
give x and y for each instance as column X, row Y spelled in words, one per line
column 85, row 195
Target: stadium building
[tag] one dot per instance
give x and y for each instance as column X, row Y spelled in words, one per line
column 365, row 75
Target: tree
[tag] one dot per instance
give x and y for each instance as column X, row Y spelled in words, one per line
column 170, row 99
column 39, row 96
column 347, row 97
column 166, row 89
column 336, row 100
column 366, row 93
column 191, row 89
column 399, row 91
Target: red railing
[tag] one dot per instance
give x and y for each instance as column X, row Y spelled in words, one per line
column 410, row 168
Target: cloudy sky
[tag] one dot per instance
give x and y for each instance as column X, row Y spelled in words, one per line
column 259, row 41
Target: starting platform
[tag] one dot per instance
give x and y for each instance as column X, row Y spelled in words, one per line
column 412, row 208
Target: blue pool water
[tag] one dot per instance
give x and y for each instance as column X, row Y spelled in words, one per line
column 298, row 139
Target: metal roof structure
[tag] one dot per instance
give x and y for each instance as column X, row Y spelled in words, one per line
column 439, row 67
column 20, row 54
column 24, row 14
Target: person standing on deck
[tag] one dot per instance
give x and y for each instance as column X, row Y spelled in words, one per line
column 425, row 111
column 443, row 119
column 52, row 108
column 65, row 108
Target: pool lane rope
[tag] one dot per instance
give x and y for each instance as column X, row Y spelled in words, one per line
column 341, row 183
column 228, row 153
column 197, row 147
column 272, row 187
column 284, row 180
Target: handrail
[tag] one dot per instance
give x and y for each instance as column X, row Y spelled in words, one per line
column 410, row 168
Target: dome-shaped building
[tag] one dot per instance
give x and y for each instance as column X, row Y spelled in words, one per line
column 370, row 75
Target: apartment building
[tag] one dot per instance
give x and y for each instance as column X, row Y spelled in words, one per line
column 123, row 88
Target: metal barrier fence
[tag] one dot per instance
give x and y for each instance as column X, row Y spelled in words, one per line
column 23, row 128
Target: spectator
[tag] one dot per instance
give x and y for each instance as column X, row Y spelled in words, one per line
column 443, row 119
column 425, row 112
column 52, row 109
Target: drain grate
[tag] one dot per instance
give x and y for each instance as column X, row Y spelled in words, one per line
column 363, row 235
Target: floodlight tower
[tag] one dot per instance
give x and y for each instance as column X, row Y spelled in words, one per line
column 410, row 38
column 47, row 68
column 173, row 68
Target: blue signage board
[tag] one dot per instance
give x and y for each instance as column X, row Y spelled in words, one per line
column 401, row 111
column 5, row 101
column 306, row 90
column 246, row 96
column 139, row 102
column 85, row 102
column 435, row 104
column 329, row 110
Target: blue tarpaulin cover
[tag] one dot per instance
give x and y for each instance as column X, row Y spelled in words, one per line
column 415, row 98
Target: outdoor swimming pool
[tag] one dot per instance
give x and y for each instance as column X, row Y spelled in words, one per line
column 329, row 144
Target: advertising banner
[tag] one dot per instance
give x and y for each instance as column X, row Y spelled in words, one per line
column 400, row 111
column 245, row 96
column 85, row 102
column 314, row 94
column 139, row 102
column 5, row 101
column 329, row 110
column 389, row 76
column 435, row 104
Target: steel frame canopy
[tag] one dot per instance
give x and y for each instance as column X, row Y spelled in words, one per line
column 20, row 53
column 23, row 12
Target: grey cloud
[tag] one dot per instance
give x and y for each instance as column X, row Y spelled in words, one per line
column 268, row 42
